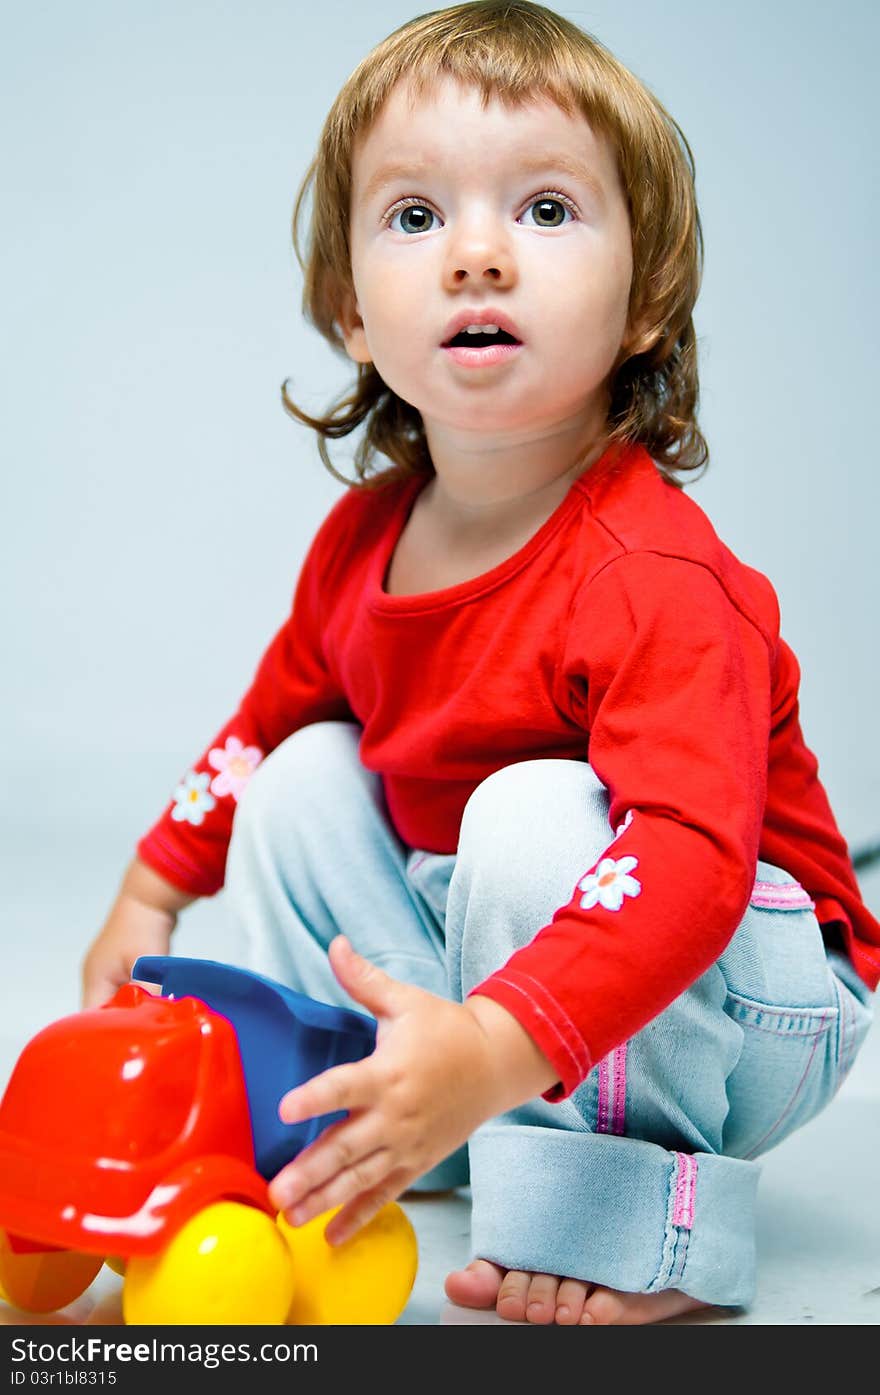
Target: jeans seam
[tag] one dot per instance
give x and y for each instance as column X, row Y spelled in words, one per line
column 611, row 1102
column 602, row 1101
column 679, row 1257
column 790, row 1106
column 780, row 1032
column 618, row 1120
column 673, row 1253
column 853, row 1042
column 846, row 1009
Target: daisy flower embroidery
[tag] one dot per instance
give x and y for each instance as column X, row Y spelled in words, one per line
column 610, row 882
column 191, row 798
column 236, row 764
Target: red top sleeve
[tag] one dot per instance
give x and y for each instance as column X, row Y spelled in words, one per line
column 293, row 686
column 673, row 683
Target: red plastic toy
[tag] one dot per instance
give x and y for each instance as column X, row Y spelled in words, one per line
column 126, row 1132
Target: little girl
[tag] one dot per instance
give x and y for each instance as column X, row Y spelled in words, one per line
column 522, row 774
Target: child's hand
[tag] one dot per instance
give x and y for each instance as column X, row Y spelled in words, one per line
column 438, row 1071
column 141, row 921
column 129, row 931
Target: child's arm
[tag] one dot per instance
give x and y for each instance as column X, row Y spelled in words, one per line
column 292, row 687
column 141, row 921
column 439, row 1070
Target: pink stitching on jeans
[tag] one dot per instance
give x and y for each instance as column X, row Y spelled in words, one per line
column 788, row 903
column 685, row 1191
column 784, row 888
column 611, row 1105
column 619, row 1115
column 604, row 1082
column 788, row 896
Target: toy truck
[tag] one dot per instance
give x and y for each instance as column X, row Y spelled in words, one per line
column 144, row 1133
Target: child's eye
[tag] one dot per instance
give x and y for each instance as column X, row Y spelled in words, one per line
column 547, row 215
column 418, row 221
column 548, row 207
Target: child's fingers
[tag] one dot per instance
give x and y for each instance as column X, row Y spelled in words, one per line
column 364, row 1207
column 100, row 990
column 343, row 1147
column 368, row 1174
column 349, row 1086
column 368, row 984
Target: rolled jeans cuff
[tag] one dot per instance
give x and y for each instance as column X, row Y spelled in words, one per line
column 650, row 1219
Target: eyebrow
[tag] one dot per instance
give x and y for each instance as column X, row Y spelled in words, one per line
column 535, row 164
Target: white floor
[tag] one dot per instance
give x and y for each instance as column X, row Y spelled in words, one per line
column 819, row 1223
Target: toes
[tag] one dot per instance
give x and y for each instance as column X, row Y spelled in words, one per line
column 541, row 1300
column 475, row 1286
column 608, row 1307
column 570, row 1301
column 604, row 1306
column 513, row 1295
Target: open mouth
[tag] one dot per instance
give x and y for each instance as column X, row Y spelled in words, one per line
column 479, row 350
column 468, row 339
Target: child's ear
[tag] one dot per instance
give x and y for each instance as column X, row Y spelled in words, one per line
column 353, row 332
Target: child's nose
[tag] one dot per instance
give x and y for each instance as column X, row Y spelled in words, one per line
column 480, row 251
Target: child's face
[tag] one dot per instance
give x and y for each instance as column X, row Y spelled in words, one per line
column 481, row 233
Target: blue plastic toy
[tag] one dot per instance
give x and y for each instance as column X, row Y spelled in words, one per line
column 284, row 1038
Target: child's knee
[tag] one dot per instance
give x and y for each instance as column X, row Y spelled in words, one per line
column 521, row 806
column 528, row 832
column 296, row 771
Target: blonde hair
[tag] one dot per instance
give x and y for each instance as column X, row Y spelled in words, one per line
column 515, row 50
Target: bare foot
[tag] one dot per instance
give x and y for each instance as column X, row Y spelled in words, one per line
column 545, row 1298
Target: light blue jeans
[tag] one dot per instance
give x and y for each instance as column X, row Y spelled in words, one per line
column 644, row 1177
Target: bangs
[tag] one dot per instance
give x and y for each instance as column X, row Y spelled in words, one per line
column 515, row 53
column 519, row 53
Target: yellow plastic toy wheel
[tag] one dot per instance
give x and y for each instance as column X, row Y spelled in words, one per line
column 366, row 1280
column 227, row 1264
column 44, row 1280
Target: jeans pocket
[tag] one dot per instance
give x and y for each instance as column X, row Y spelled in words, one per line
column 785, row 1074
column 783, row 995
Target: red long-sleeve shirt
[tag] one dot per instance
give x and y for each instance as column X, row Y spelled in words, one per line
column 625, row 633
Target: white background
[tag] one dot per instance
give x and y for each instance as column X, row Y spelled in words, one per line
column 157, row 500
